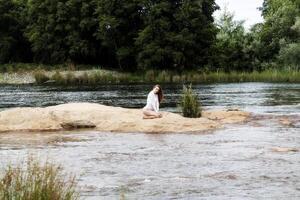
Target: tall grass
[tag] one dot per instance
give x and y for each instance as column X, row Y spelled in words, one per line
column 57, row 78
column 37, row 181
column 40, row 76
column 96, row 75
column 93, row 77
column 25, row 67
column 189, row 103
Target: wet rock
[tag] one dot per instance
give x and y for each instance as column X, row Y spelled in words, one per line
column 88, row 188
column 265, row 177
column 58, row 139
column 79, row 124
column 226, row 116
column 286, row 122
column 284, row 149
column 113, row 119
column 50, row 82
column 231, row 177
column 223, row 175
column 256, row 124
column 233, row 109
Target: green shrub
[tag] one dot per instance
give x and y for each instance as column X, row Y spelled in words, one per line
column 40, row 77
column 70, row 78
column 290, row 55
column 189, row 104
column 83, row 79
column 150, row 76
column 163, row 77
column 35, row 181
column 57, row 77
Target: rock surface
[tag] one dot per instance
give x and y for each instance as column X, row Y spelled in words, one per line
column 286, row 122
column 114, row 119
column 284, row 149
column 77, row 124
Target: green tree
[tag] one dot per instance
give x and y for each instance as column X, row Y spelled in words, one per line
column 232, row 49
column 45, row 31
column 289, row 54
column 63, row 30
column 254, row 48
column 280, row 16
column 177, row 34
column 81, row 26
column 119, row 23
column 13, row 45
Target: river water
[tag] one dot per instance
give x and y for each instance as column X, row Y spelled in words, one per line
column 236, row 162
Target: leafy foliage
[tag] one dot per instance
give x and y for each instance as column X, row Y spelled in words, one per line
column 280, row 16
column 37, row 181
column 13, row 45
column 177, row 34
column 142, row 35
column 62, row 31
column 189, row 104
column 231, row 47
column 119, row 23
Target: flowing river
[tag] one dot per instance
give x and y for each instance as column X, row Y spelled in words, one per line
column 235, row 162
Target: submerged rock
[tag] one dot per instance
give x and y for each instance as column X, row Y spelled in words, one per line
column 79, row 124
column 108, row 118
column 284, row 149
column 286, row 122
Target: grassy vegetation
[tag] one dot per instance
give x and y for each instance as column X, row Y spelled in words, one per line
column 69, row 74
column 40, row 77
column 105, row 77
column 37, row 182
column 25, row 67
column 189, row 103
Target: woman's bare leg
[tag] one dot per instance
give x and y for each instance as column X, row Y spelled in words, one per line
column 149, row 117
column 149, row 114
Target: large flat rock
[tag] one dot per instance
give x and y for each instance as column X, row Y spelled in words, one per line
column 108, row 118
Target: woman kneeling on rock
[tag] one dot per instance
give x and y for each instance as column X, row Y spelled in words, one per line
column 154, row 98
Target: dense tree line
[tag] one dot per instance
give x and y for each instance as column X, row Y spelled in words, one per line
column 13, row 44
column 123, row 34
column 143, row 34
column 275, row 43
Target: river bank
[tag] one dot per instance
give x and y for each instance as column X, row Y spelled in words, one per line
column 93, row 75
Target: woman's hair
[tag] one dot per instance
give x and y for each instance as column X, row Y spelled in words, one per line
column 160, row 93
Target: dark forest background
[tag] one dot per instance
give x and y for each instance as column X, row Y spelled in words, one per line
column 148, row 34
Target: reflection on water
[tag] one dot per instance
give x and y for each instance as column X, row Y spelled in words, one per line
column 236, row 162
